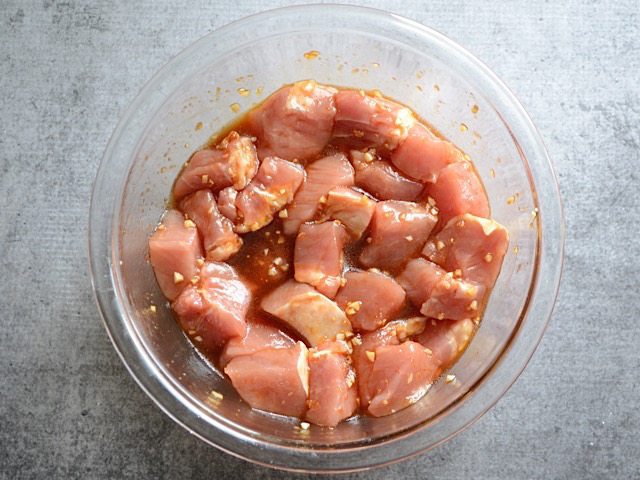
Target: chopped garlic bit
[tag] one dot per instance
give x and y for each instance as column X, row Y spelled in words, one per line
column 280, row 240
column 450, row 378
column 205, row 178
column 356, row 341
column 304, row 425
column 343, row 281
column 351, row 378
column 428, row 351
column 440, row 316
column 278, row 261
column 195, row 279
column 439, row 244
column 410, row 379
column 370, row 355
column 431, row 201
column 457, row 273
column 216, row 395
column 283, row 213
column 273, row 271
column 198, row 338
column 409, row 238
column 353, row 307
column 153, row 308
column 488, row 257
column 200, row 262
column 177, row 277
column 473, row 305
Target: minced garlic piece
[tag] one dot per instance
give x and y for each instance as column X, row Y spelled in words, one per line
column 370, row 355
column 216, row 395
column 473, row 305
column 488, row 257
column 273, row 271
column 189, row 224
column 428, row 351
column 153, row 308
column 200, row 262
column 343, row 281
column 205, row 178
column 283, row 213
column 305, row 425
column 409, row 238
column 450, row 378
column 177, row 277
column 353, row 307
column 440, row 245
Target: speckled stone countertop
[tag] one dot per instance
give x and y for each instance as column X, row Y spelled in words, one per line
column 68, row 408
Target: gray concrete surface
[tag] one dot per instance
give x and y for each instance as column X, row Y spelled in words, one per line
column 68, row 408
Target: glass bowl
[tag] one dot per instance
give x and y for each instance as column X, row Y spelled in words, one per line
column 204, row 88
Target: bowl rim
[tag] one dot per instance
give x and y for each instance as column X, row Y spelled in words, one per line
column 104, row 275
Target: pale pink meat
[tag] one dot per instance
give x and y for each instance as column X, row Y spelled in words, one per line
column 319, row 255
column 352, row 208
column 454, row 298
column 274, row 379
column 332, row 386
column 257, row 337
column 174, row 249
column 364, row 120
column 400, row 376
column 272, row 188
column 213, row 310
column 322, row 175
column 472, row 244
column 227, row 203
column 370, row 299
column 219, row 240
column 446, row 339
column 422, row 155
column 233, row 162
column 398, row 232
column 296, row 121
column 381, row 180
column 419, row 278
column 364, row 349
column 313, row 315
column 457, row 191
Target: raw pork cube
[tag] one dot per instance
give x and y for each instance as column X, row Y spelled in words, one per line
column 446, row 339
column 322, row 176
column 174, row 249
column 381, row 180
column 472, row 244
column 457, row 191
column 398, row 232
column 272, row 188
column 454, row 299
column 419, row 278
column 311, row 314
column 319, row 257
column 213, row 310
column 352, row 208
column 400, row 376
column 227, row 203
column 422, row 155
column 370, row 299
column 296, row 121
column 332, row 386
column 274, row 379
column 219, row 239
column 233, row 162
column 258, row 337
column 367, row 121
column 364, row 350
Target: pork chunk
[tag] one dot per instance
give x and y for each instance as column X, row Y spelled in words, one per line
column 370, row 299
column 311, row 314
column 219, row 240
column 322, row 175
column 174, row 249
column 381, row 180
column 319, row 256
column 398, row 231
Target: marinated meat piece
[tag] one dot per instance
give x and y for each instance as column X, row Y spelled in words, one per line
column 370, row 299
column 366, row 121
column 454, row 299
column 174, row 249
column 446, row 339
column 332, row 387
column 472, row 244
column 220, row 241
column 457, row 191
column 319, row 256
column 213, row 310
column 274, row 379
column 381, row 180
column 233, row 162
column 400, row 376
column 227, row 203
column 259, row 336
column 272, row 188
column 296, row 121
column 307, row 311
column 419, row 278
column 422, row 155
column 322, row 176
column 353, row 209
column 364, row 350
column 398, row 232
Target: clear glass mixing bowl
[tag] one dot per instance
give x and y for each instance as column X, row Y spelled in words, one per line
column 196, row 94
